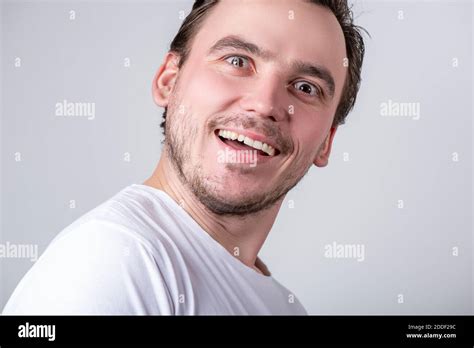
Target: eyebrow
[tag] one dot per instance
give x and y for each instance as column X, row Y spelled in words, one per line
column 300, row 67
column 238, row 43
column 317, row 71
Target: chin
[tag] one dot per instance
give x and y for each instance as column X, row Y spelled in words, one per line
column 238, row 192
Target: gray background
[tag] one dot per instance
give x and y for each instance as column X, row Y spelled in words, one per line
column 407, row 251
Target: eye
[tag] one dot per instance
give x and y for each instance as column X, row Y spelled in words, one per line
column 307, row 88
column 238, row 61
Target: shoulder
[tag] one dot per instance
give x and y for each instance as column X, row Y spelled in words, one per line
column 138, row 208
column 96, row 267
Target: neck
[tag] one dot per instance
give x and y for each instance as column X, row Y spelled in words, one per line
column 242, row 237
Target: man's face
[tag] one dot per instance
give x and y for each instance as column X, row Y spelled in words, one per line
column 259, row 68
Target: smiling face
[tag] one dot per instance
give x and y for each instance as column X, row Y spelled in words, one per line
column 252, row 107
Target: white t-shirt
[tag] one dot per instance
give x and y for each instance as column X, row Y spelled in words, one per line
column 141, row 253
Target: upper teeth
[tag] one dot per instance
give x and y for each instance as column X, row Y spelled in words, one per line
column 268, row 149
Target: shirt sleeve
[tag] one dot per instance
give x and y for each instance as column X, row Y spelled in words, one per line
column 98, row 268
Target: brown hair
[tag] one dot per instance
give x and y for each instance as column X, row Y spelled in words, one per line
column 355, row 47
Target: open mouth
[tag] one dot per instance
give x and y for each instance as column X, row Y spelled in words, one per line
column 242, row 142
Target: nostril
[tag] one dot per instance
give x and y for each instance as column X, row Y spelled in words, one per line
column 272, row 118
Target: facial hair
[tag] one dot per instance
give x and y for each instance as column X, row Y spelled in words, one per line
column 182, row 128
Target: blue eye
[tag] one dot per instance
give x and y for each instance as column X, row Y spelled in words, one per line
column 307, row 88
column 238, row 61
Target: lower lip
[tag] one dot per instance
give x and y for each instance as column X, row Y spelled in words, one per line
column 260, row 158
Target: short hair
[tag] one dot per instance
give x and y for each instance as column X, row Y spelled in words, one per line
column 355, row 48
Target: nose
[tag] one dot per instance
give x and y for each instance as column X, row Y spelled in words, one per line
column 265, row 99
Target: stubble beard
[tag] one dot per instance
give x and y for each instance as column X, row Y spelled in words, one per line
column 180, row 130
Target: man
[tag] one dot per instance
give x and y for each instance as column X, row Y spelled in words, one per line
column 253, row 93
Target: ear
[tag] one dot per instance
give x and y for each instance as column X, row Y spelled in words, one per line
column 165, row 79
column 322, row 157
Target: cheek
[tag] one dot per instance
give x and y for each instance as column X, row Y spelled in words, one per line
column 311, row 133
column 207, row 91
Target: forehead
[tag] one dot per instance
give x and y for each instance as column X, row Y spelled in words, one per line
column 292, row 29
